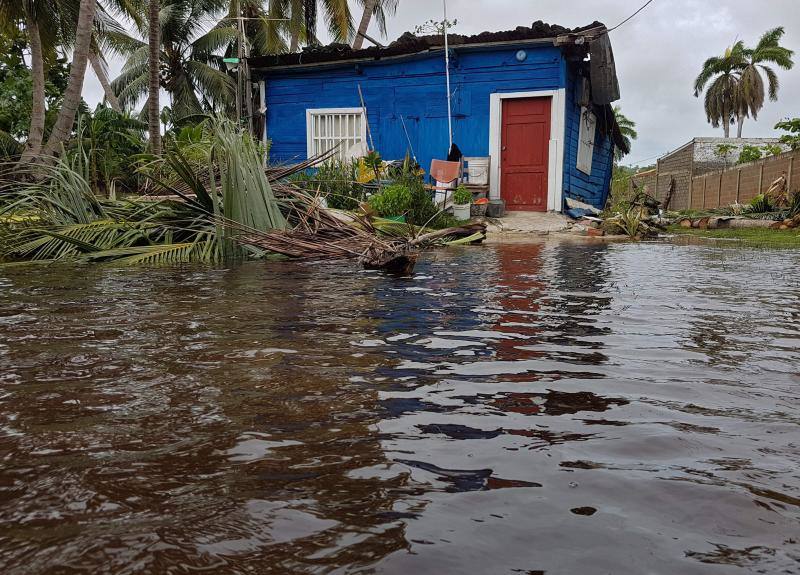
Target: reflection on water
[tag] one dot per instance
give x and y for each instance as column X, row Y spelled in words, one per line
column 524, row 408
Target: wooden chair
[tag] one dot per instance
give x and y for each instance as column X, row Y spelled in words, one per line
column 444, row 177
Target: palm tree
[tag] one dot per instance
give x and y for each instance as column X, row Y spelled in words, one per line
column 722, row 101
column 627, row 128
column 72, row 95
column 377, row 8
column 41, row 24
column 302, row 18
column 190, row 61
column 154, row 76
column 768, row 50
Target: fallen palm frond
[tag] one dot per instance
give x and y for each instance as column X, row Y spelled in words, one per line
column 231, row 209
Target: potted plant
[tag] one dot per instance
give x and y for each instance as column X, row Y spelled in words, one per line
column 462, row 198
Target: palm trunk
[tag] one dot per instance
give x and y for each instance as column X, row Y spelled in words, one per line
column 100, row 72
column 295, row 42
column 153, row 106
column 369, row 8
column 72, row 95
column 36, row 132
column 740, row 123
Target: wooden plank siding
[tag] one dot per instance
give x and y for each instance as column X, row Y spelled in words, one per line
column 414, row 87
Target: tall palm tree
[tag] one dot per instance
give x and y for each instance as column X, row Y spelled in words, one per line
column 722, row 101
column 72, row 95
column 767, row 51
column 627, row 128
column 154, row 76
column 378, row 9
column 190, row 59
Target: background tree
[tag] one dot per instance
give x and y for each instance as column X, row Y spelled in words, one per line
column 792, row 138
column 153, row 75
column 302, row 18
column 756, row 60
column 190, row 59
column 722, row 100
column 627, row 128
column 72, row 95
column 377, row 9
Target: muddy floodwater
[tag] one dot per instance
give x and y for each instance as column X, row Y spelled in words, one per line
column 525, row 408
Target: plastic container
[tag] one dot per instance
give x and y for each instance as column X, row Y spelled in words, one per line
column 478, row 210
column 497, row 208
column 461, row 211
column 477, row 170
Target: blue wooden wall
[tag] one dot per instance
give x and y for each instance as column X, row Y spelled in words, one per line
column 414, row 87
column 592, row 188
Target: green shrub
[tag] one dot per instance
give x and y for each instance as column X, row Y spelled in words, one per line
column 462, row 196
column 749, row 154
column 760, row 204
column 337, row 182
column 393, row 200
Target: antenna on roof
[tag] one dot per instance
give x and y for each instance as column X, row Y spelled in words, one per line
column 447, row 78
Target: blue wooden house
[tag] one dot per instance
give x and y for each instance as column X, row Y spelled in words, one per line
column 536, row 101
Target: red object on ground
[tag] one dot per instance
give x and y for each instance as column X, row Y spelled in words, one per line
column 594, row 232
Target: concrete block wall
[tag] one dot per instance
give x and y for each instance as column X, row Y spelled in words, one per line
column 742, row 183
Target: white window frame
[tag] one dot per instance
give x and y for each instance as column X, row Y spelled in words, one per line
column 312, row 113
column 586, row 136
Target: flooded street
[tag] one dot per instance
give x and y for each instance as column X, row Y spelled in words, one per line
column 553, row 407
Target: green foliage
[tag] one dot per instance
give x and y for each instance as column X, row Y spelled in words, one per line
column 723, row 151
column 792, row 126
column 393, row 200
column 16, row 87
column 57, row 215
column 749, row 154
column 628, row 222
column 108, row 144
column 794, row 205
column 337, row 182
column 462, row 196
column 760, row 204
column 772, row 150
column 627, row 128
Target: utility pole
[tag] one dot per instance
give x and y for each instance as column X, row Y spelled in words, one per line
column 447, row 79
column 240, row 56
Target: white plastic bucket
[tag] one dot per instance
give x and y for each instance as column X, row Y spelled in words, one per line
column 461, row 211
column 477, row 171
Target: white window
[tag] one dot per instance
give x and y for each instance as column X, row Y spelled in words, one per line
column 328, row 127
column 586, row 140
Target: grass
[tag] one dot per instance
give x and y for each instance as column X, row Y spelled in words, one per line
column 753, row 237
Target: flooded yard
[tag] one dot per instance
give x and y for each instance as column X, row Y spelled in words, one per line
column 553, row 407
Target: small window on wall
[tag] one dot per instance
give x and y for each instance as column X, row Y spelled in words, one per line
column 329, row 127
column 586, row 140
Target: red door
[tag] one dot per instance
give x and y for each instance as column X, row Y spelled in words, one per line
column 524, row 146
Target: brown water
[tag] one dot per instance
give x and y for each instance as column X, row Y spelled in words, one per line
column 525, row 408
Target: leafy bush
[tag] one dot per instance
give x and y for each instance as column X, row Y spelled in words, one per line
column 760, row 204
column 749, row 154
column 462, row 196
column 338, row 182
column 393, row 200
column 792, row 139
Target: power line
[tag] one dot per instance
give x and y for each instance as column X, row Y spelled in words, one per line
column 646, row 4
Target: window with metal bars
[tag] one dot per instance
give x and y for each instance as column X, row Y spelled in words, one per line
column 329, row 127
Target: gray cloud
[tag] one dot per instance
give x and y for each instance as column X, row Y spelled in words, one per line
column 658, row 53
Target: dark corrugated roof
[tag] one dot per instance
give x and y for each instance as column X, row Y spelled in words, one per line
column 408, row 43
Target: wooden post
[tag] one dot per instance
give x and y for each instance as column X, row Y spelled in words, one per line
column 738, row 183
column 719, row 192
column 789, row 175
column 760, row 177
column 705, row 181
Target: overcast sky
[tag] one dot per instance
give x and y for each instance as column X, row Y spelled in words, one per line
column 658, row 53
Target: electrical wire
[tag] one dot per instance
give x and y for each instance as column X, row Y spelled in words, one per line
column 646, row 4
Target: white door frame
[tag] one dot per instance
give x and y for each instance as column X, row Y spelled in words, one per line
column 555, row 167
